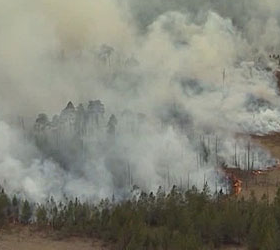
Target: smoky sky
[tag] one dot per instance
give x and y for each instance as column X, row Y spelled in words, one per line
column 49, row 49
column 196, row 67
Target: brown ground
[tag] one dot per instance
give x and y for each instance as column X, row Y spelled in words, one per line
column 269, row 182
column 271, row 142
column 25, row 238
column 22, row 238
column 266, row 182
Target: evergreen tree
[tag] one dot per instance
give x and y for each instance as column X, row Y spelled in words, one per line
column 26, row 212
column 41, row 216
column 4, row 207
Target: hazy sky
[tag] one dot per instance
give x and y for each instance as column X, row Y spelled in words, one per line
column 208, row 59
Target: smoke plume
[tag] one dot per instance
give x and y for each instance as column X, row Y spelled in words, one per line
column 178, row 80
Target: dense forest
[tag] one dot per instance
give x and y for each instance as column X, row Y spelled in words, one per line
column 189, row 219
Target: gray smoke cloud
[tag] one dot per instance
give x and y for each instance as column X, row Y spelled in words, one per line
column 193, row 68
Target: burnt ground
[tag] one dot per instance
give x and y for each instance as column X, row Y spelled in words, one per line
column 262, row 182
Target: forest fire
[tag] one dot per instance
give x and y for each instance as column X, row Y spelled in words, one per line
column 239, row 179
column 237, row 186
column 234, row 181
column 257, row 172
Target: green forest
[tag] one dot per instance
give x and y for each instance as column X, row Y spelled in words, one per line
column 179, row 220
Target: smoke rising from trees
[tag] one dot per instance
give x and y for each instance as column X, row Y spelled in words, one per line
column 189, row 68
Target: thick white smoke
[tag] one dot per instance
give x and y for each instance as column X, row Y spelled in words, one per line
column 193, row 68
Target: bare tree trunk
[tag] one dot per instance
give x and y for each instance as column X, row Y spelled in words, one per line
column 248, row 155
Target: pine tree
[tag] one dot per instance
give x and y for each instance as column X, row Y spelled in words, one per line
column 263, row 231
column 41, row 216
column 26, row 213
column 4, row 206
column 15, row 209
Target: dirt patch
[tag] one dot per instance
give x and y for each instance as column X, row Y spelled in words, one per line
column 25, row 238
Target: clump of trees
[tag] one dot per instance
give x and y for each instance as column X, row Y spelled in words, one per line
column 187, row 220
